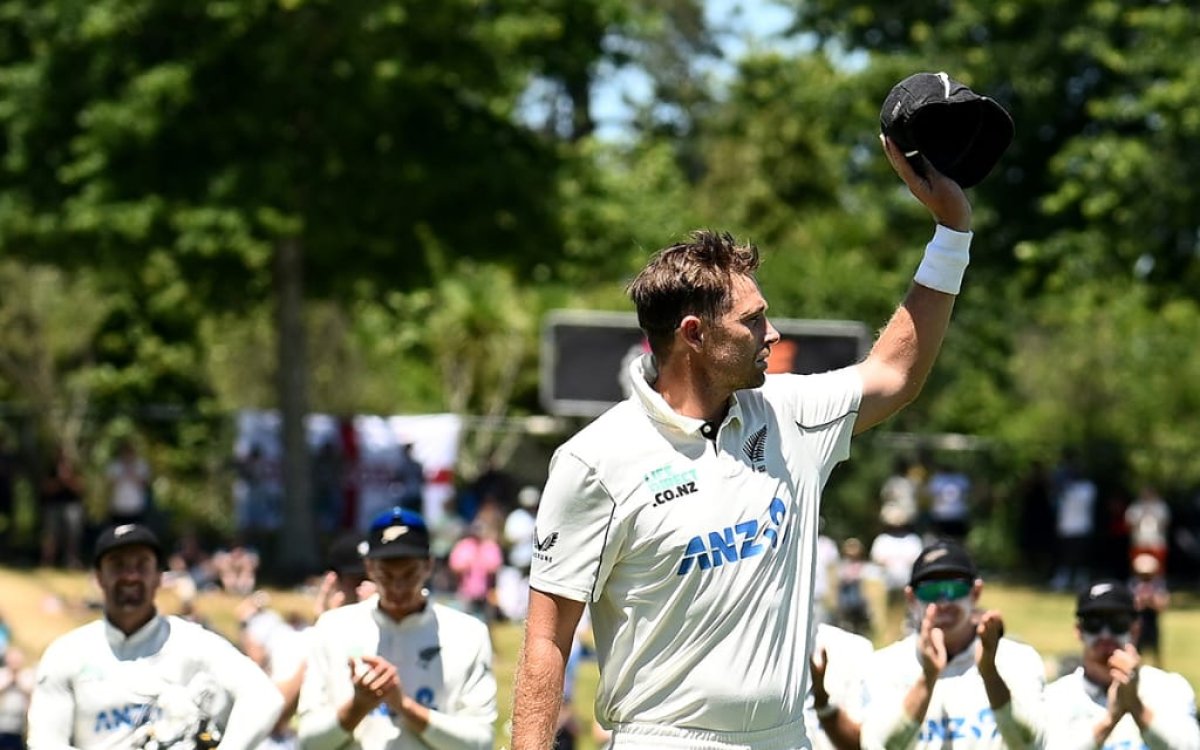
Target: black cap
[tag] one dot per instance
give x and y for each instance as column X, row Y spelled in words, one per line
column 397, row 533
column 963, row 134
column 126, row 535
column 941, row 557
column 1104, row 596
column 345, row 555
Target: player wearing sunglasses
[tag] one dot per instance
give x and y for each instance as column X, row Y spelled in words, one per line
column 956, row 682
column 1113, row 700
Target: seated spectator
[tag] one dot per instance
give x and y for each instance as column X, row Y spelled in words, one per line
column 1113, row 700
column 957, row 678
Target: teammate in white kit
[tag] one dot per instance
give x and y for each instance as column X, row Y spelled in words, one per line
column 136, row 678
column 686, row 516
column 397, row 671
column 1114, row 701
column 957, row 683
column 833, row 711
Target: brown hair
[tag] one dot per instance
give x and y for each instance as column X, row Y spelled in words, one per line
column 688, row 278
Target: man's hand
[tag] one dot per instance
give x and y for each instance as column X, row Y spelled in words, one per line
column 943, row 196
column 328, row 595
column 818, row 662
column 932, row 644
column 374, row 679
column 1124, row 665
column 989, row 631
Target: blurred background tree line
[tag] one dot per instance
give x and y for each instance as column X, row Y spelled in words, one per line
column 366, row 205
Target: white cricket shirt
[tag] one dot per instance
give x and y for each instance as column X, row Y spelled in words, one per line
column 1075, row 705
column 847, row 655
column 697, row 555
column 97, row 688
column 959, row 714
column 443, row 657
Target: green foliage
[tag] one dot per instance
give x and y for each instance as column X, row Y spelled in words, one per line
column 436, row 161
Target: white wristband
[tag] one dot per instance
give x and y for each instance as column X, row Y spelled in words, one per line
column 945, row 261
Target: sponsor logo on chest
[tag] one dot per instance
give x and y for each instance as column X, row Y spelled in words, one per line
column 732, row 544
column 667, row 483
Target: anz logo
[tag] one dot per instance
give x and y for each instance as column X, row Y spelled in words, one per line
column 129, row 715
column 981, row 726
column 735, row 543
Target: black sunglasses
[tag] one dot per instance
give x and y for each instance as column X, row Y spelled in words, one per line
column 1115, row 623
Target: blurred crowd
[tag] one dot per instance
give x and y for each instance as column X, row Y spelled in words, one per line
column 1070, row 533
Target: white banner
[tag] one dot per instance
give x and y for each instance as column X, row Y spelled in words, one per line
column 358, row 467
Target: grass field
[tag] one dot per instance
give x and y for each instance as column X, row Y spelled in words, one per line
column 40, row 605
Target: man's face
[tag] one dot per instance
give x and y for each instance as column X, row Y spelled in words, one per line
column 1102, row 633
column 738, row 344
column 129, row 577
column 953, row 597
column 400, row 582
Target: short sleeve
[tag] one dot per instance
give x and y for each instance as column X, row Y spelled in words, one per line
column 576, row 533
column 825, row 408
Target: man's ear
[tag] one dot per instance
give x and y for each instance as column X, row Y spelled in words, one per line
column 691, row 330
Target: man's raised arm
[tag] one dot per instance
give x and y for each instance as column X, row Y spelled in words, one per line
column 895, row 370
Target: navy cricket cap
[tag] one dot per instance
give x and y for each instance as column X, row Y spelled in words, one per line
column 397, row 533
column 943, row 558
column 345, row 555
column 963, row 134
column 126, row 535
column 1104, row 596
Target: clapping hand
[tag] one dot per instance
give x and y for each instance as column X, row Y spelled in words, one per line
column 989, row 630
column 374, row 680
column 818, row 663
column 1124, row 665
column 932, row 643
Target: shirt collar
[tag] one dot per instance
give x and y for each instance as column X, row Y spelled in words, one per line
column 642, row 375
column 409, row 622
column 118, row 640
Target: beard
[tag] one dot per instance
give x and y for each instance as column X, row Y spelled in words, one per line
column 129, row 595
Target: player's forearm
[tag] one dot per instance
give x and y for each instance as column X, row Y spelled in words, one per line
column 537, row 695
column 917, row 699
column 900, row 362
column 998, row 694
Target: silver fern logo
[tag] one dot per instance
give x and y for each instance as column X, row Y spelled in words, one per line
column 755, row 449
column 427, row 655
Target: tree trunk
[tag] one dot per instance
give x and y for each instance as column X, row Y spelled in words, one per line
column 295, row 553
